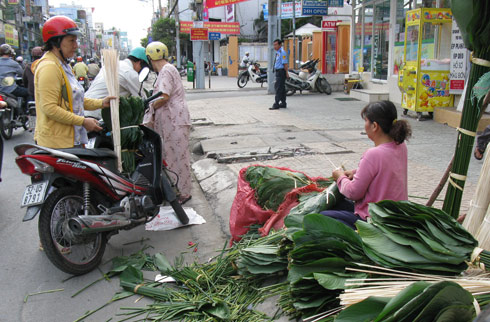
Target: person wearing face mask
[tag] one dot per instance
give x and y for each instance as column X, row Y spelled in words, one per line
column 382, row 171
column 60, row 101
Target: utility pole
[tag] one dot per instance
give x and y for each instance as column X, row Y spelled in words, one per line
column 271, row 36
column 198, row 52
column 177, row 33
column 294, row 34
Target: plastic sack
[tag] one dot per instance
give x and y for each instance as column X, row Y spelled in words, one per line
column 245, row 210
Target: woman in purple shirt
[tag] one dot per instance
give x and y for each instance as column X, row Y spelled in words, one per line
column 382, row 170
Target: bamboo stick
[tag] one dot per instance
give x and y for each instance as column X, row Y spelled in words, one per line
column 483, row 234
column 481, row 200
column 111, row 73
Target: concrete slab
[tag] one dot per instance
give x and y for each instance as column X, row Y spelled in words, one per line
column 204, row 168
column 218, row 182
column 220, row 144
column 326, row 147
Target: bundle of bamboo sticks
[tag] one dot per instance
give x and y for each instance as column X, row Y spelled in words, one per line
column 110, row 59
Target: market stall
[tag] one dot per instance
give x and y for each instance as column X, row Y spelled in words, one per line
column 424, row 78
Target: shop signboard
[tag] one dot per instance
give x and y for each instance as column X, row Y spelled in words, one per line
column 226, row 28
column 11, row 36
column 314, row 8
column 328, row 25
column 13, row 1
column 219, row 3
column 459, row 61
column 336, row 3
column 214, row 36
column 199, row 34
column 286, row 10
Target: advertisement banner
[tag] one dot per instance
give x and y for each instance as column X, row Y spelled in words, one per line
column 13, row 1
column 219, row 3
column 230, row 13
column 286, row 10
column 459, row 61
column 205, row 11
column 199, row 34
column 11, row 36
column 228, row 28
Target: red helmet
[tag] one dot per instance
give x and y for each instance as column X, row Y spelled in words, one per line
column 79, row 59
column 59, row 26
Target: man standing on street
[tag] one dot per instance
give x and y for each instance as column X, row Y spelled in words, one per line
column 282, row 73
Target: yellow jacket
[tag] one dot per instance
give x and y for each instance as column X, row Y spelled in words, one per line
column 54, row 104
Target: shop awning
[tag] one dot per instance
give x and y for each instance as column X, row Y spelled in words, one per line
column 307, row 29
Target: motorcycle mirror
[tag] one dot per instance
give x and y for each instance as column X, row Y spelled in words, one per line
column 143, row 74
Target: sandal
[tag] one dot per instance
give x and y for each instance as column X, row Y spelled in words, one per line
column 184, row 199
column 478, row 154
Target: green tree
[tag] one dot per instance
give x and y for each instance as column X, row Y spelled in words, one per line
column 164, row 30
column 144, row 42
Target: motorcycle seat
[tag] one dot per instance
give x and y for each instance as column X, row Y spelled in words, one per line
column 87, row 153
column 294, row 71
column 91, row 153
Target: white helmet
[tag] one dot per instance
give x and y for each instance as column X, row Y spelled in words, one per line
column 247, row 53
column 20, row 59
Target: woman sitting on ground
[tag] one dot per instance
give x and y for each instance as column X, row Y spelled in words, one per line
column 382, row 170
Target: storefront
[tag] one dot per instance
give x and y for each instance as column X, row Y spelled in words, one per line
column 377, row 41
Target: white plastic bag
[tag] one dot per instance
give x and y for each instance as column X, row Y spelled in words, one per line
column 167, row 219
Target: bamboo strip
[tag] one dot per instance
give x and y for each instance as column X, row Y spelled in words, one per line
column 481, row 200
column 110, row 59
column 483, row 234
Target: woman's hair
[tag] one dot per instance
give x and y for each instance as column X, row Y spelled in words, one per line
column 384, row 113
column 52, row 43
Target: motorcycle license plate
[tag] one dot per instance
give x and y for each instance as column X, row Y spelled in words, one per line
column 90, row 144
column 34, row 194
column 82, row 82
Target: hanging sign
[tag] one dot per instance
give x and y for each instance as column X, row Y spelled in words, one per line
column 11, row 35
column 314, row 8
column 219, row 3
column 199, row 34
column 459, row 61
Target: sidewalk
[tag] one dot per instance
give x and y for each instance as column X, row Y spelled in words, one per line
column 222, row 84
column 315, row 134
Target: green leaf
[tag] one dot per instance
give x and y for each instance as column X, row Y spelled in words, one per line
column 162, row 263
column 219, row 310
column 335, row 281
column 132, row 275
column 456, row 313
column 364, row 311
column 121, row 295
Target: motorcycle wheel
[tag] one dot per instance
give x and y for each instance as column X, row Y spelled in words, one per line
column 72, row 254
column 179, row 211
column 325, row 86
column 25, row 123
column 6, row 129
column 242, row 81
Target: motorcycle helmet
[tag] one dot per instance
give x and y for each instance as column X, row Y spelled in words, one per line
column 19, row 59
column 5, row 49
column 59, row 26
column 37, row 52
column 139, row 53
column 156, row 51
column 79, row 59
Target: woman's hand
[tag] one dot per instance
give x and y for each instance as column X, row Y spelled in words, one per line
column 106, row 102
column 91, row 124
column 160, row 101
column 349, row 174
column 337, row 173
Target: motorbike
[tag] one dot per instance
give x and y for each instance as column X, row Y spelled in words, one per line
column 84, row 81
column 2, row 104
column 82, row 199
column 307, row 78
column 15, row 114
column 254, row 73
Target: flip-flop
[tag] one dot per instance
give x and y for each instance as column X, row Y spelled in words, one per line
column 479, row 151
column 183, row 200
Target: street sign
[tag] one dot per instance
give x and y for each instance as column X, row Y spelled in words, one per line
column 226, row 28
column 314, row 8
column 214, row 36
column 199, row 34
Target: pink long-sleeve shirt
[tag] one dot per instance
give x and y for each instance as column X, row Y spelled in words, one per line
column 381, row 175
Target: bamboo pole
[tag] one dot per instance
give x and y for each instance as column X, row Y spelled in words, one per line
column 110, row 59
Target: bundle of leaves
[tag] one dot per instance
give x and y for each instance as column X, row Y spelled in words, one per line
column 411, row 236
column 131, row 112
column 272, row 185
column 421, row 301
column 317, row 270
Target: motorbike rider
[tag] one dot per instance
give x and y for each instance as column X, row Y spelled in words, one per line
column 60, row 101
column 28, row 76
column 245, row 60
column 80, row 69
column 9, row 70
column 20, row 61
column 93, row 69
column 129, row 84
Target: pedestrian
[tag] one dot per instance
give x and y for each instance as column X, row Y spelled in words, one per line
column 281, row 69
column 382, row 172
column 60, row 100
column 169, row 116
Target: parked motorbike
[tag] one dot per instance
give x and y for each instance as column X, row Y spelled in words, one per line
column 83, row 199
column 254, row 73
column 2, row 104
column 14, row 115
column 307, row 78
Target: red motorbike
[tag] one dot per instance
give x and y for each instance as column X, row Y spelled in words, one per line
column 83, row 199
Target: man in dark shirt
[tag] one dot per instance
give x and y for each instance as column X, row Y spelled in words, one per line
column 28, row 77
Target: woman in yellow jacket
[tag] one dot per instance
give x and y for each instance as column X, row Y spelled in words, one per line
column 60, row 98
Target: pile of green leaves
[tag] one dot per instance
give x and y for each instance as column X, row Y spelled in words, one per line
column 411, row 236
column 322, row 250
column 131, row 112
column 271, row 185
column 421, row 301
column 261, row 259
